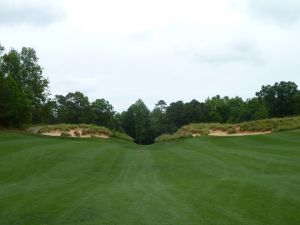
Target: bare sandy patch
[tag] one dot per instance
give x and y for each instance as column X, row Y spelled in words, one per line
column 73, row 133
column 100, row 136
column 221, row 133
column 52, row 133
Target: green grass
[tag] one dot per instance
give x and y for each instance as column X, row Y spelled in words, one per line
column 249, row 180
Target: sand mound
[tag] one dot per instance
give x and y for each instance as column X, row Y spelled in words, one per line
column 53, row 133
column 236, row 132
column 221, row 133
column 73, row 133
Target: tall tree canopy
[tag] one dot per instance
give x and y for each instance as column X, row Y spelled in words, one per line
column 24, row 69
column 73, row 108
column 280, row 98
column 135, row 122
column 103, row 113
column 158, row 121
column 175, row 114
column 15, row 108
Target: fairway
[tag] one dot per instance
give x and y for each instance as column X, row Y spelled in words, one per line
column 249, row 180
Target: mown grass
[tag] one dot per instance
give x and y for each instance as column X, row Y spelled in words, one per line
column 253, row 180
column 272, row 125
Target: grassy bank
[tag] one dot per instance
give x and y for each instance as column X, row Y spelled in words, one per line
column 79, row 130
column 271, row 125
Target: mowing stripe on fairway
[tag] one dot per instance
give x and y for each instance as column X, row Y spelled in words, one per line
column 249, row 180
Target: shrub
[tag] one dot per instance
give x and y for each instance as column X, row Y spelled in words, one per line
column 164, row 137
column 77, row 133
column 96, row 130
column 231, row 130
column 84, row 132
column 44, row 130
column 65, row 134
column 177, row 135
column 122, row 136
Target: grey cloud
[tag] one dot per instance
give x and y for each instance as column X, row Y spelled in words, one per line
column 30, row 13
column 283, row 12
column 240, row 52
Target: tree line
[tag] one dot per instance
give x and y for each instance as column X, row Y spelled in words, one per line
column 25, row 98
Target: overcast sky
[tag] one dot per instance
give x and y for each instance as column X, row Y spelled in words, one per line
column 122, row 50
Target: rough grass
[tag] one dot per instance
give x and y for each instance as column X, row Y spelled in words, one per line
column 65, row 134
column 249, row 180
column 123, row 136
column 280, row 124
column 272, row 125
column 87, row 129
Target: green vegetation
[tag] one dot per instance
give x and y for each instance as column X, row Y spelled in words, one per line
column 25, row 98
column 121, row 135
column 272, row 125
column 249, row 180
column 170, row 137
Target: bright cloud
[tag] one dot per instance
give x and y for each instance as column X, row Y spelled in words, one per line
column 171, row 50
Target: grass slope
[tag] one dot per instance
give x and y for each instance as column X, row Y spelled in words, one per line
column 253, row 180
column 85, row 129
column 271, row 125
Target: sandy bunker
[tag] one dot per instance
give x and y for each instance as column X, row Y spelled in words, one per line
column 244, row 133
column 238, row 132
column 78, row 132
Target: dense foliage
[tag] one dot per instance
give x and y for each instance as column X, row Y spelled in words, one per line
column 24, row 91
column 24, row 98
